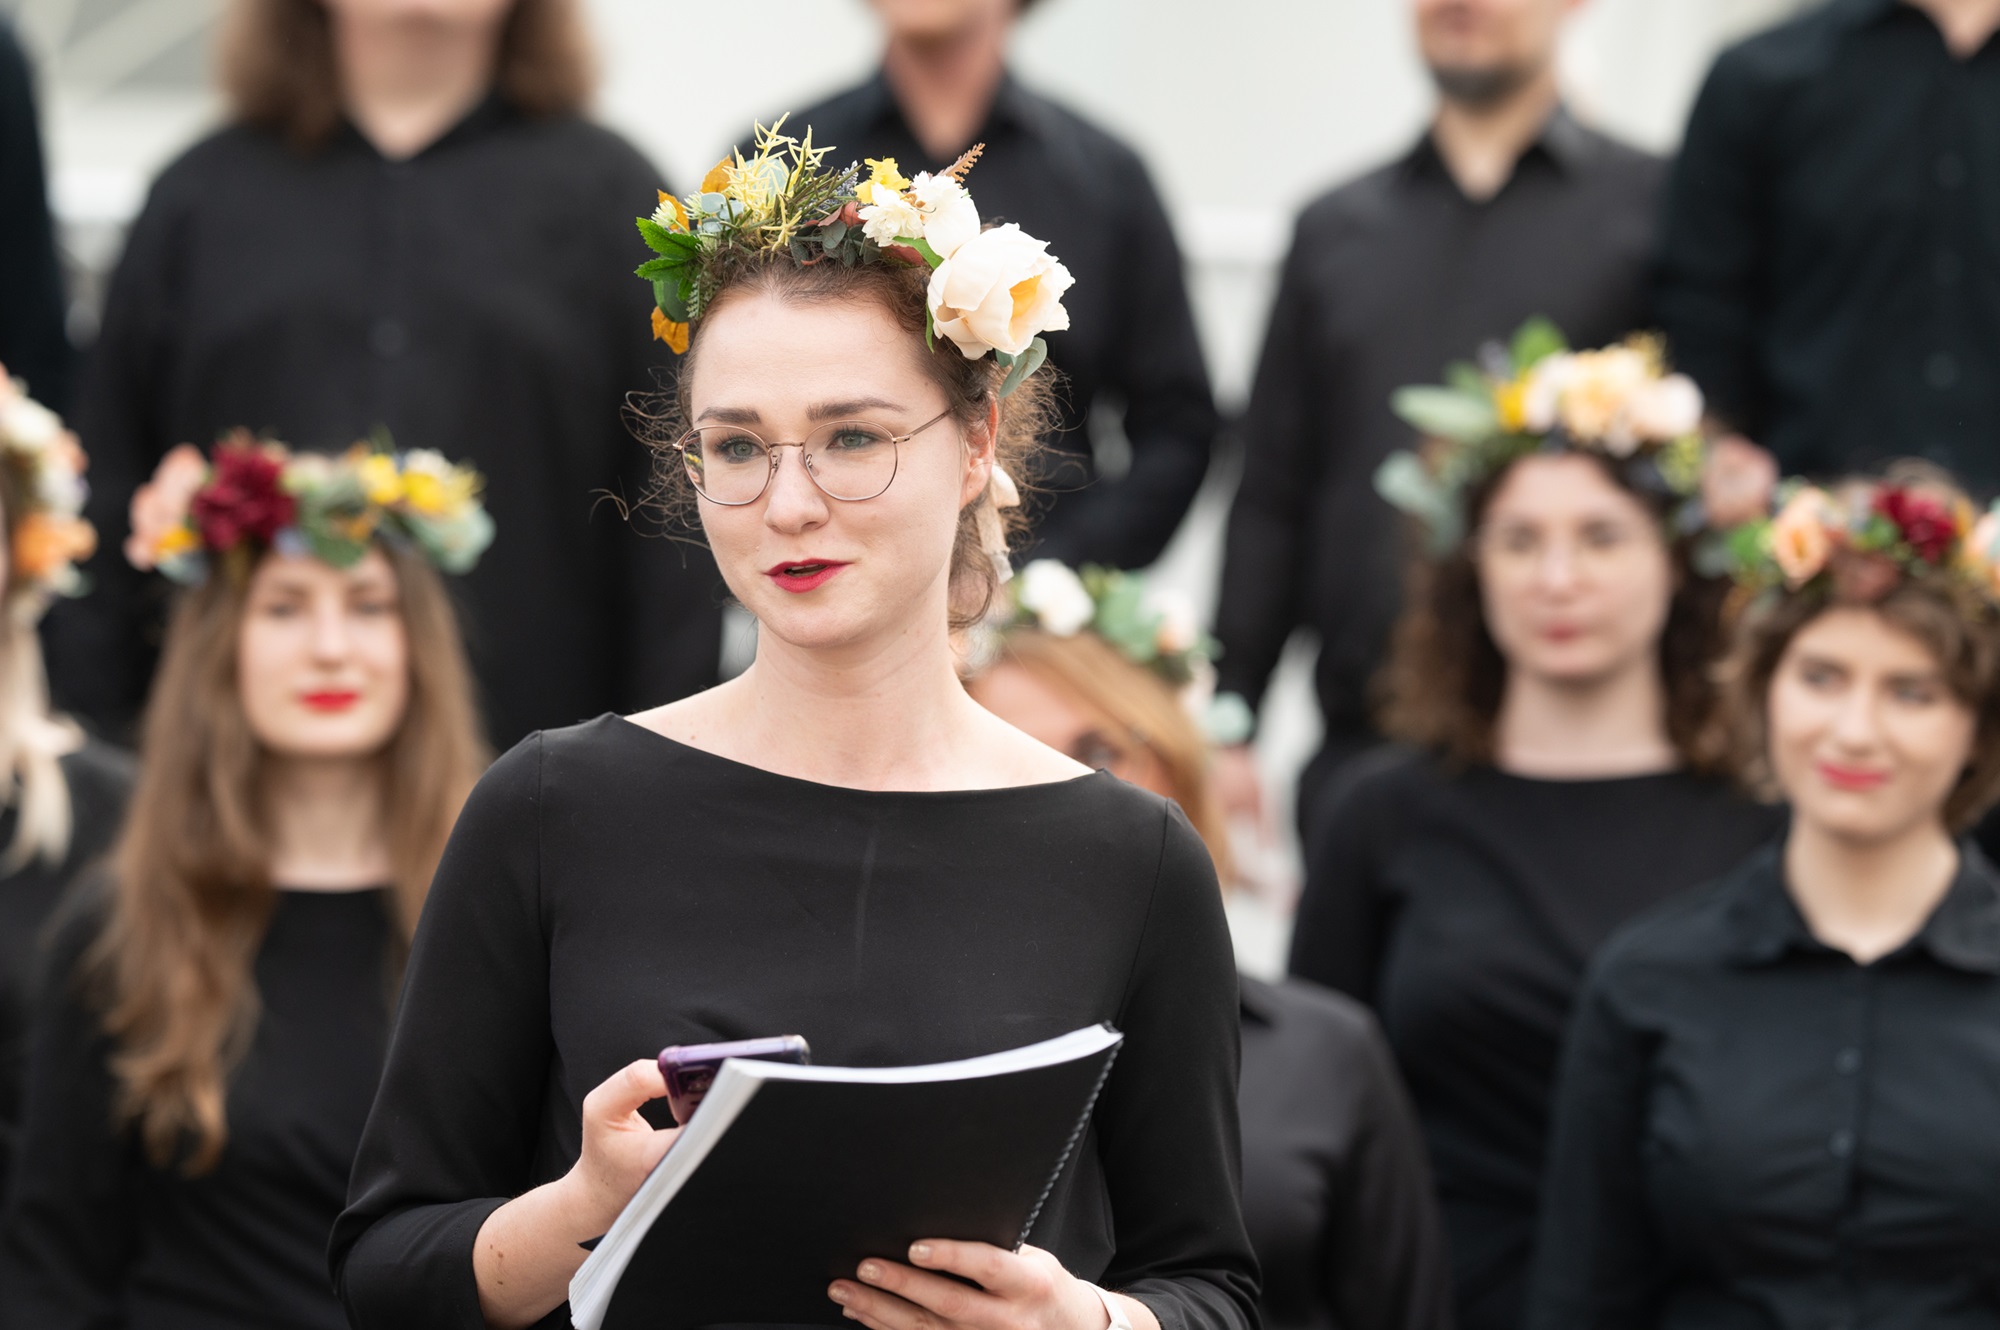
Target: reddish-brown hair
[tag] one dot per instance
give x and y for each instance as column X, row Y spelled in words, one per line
column 192, row 888
column 278, row 69
column 970, row 388
column 1443, row 682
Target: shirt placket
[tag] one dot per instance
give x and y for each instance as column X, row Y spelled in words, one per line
column 1952, row 239
column 1849, row 1074
column 390, row 315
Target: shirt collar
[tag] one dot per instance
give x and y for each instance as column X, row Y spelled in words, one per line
column 1564, row 142
column 1257, row 1001
column 1764, row 923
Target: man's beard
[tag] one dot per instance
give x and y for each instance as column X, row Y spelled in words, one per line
column 1483, row 87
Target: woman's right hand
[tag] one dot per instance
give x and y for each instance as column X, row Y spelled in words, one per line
column 619, row 1146
column 528, row 1249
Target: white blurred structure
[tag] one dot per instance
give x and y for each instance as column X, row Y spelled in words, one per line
column 1243, row 110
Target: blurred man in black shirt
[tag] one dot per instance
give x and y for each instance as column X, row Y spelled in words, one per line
column 1114, row 495
column 1830, row 259
column 33, row 345
column 1505, row 208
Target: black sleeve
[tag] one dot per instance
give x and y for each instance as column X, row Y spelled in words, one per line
column 1265, row 548
column 1597, row 1254
column 1713, row 253
column 1170, row 419
column 33, row 342
column 1167, row 1122
column 101, row 646
column 452, row 1135
column 1344, row 914
column 1385, row 1261
column 69, row 1233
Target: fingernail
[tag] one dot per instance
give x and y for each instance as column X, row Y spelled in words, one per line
column 838, row 1293
column 870, row 1271
column 920, row 1251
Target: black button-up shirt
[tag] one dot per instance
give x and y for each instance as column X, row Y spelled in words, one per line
column 32, row 342
column 1754, row 1130
column 1130, row 347
column 477, row 299
column 1830, row 263
column 1390, row 278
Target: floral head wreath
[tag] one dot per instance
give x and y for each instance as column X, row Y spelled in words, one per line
column 993, row 290
column 1149, row 625
column 45, row 466
column 1535, row 395
column 1860, row 540
column 258, row 495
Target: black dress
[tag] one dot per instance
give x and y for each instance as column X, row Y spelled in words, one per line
column 477, row 299
column 608, row 892
column 99, row 779
column 1336, row 1190
column 1464, row 908
column 1756, row 1131
column 93, row 1235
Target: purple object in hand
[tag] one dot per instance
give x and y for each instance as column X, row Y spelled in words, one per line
column 690, row 1069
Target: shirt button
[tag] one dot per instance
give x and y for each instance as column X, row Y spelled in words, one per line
column 1950, row 170
column 1947, row 267
column 1847, row 1061
column 1841, row 1145
column 389, row 338
column 1941, row 370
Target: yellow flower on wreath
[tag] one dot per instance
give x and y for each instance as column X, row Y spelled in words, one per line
column 675, row 335
column 433, row 487
column 884, row 174
column 380, row 480
column 1510, row 403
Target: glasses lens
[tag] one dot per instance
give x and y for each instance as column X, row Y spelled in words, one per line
column 852, row 459
column 727, row 464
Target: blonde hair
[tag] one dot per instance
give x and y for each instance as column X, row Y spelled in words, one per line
column 1135, row 701
column 33, row 741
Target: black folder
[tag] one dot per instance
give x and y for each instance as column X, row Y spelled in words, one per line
column 788, row 1176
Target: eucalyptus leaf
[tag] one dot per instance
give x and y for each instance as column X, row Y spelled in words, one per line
column 833, row 233
column 1406, row 485
column 1466, row 378
column 1021, row 366
column 1446, row 412
column 1535, row 341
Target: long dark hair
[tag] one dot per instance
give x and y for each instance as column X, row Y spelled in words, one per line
column 1443, row 682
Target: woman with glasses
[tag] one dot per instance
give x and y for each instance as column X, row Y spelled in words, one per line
column 1550, row 680
column 839, row 843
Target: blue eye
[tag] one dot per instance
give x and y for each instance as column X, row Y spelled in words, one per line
column 852, row 441
column 737, row 450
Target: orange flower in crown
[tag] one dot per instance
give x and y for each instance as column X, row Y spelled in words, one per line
column 45, row 467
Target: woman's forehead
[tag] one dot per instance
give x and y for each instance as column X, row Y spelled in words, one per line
column 773, row 357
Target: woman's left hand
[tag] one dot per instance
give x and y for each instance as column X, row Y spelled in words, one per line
column 1024, row 1290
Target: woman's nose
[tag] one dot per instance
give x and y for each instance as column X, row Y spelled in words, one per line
column 793, row 501
column 329, row 636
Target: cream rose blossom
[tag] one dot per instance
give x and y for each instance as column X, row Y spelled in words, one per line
column 998, row 292
column 1056, row 596
column 936, row 210
column 1665, row 409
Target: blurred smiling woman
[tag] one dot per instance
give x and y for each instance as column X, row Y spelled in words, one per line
column 838, row 843
column 1778, row 1096
column 213, row 1023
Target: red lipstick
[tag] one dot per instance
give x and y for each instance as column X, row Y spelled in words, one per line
column 1858, row 779
column 330, row 699
column 803, row 575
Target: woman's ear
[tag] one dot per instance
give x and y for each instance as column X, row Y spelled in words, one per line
column 981, row 453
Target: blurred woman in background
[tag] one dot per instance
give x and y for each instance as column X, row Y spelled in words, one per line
column 213, row 1022
column 408, row 225
column 1551, row 681
column 1778, row 1097
column 1336, row 1190
column 64, row 793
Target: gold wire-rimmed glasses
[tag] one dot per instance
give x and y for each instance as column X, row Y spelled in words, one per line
column 850, row 460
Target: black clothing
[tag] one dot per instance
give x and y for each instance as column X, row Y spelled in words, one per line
column 1830, row 256
column 99, row 780
column 1336, row 1189
column 33, row 343
column 608, row 892
column 1390, row 278
column 1131, row 342
column 477, row 299
column 1463, row 909
column 1756, row 1131
column 94, row 1236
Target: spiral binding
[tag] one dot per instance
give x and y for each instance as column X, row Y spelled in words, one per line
column 1069, row 1147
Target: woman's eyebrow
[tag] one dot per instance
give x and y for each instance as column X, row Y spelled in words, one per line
column 848, row 407
column 731, row 415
